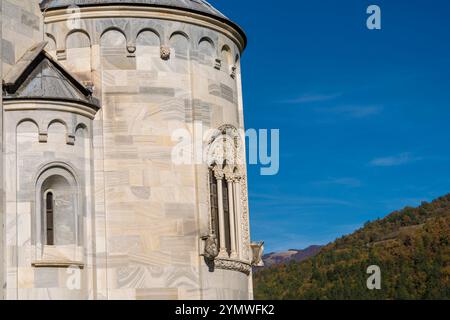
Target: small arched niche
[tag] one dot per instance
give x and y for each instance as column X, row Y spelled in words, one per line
column 147, row 48
column 57, row 195
column 227, row 55
column 206, row 50
column 113, row 42
column 57, row 133
column 78, row 46
column 180, row 43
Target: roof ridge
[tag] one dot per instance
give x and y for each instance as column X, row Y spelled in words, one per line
column 15, row 84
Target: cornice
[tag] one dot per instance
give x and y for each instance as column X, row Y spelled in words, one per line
column 48, row 105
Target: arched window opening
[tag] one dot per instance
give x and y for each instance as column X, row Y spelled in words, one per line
column 214, row 199
column 227, row 217
column 58, row 194
column 49, row 209
column 225, row 195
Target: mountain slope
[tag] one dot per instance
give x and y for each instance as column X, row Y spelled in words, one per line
column 411, row 246
column 276, row 258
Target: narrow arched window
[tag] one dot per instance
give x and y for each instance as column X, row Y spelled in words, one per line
column 50, row 210
column 222, row 215
column 60, row 220
column 214, row 200
column 225, row 183
column 226, row 212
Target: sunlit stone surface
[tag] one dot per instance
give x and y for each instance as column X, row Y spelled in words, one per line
column 127, row 222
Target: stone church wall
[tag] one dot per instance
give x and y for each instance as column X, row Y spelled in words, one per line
column 156, row 77
column 21, row 26
column 37, row 142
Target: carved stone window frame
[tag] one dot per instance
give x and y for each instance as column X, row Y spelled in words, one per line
column 233, row 170
column 61, row 255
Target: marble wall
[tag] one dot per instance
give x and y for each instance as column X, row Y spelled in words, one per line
column 154, row 76
column 21, row 27
column 41, row 142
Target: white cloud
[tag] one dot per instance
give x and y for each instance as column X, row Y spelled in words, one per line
column 311, row 98
column 401, row 159
column 355, row 112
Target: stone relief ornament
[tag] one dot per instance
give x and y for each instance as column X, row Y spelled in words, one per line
column 245, row 231
column 211, row 251
column 226, row 150
column 61, row 54
column 131, row 51
column 218, row 64
column 233, row 72
column 257, row 254
column 229, row 173
column 165, row 52
column 225, row 147
column 219, row 173
column 233, row 265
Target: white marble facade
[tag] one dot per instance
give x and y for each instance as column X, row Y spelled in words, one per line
column 128, row 222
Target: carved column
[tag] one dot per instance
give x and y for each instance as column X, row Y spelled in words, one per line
column 237, row 209
column 229, row 174
column 219, row 174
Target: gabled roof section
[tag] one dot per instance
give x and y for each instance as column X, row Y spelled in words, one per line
column 37, row 76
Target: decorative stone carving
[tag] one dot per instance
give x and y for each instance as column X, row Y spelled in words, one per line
column 229, row 173
column 233, row 265
column 89, row 85
column 70, row 139
column 219, row 173
column 237, row 176
column 165, row 53
column 228, row 137
column 257, row 254
column 233, row 72
column 245, row 231
column 218, row 64
column 211, row 251
column 131, row 51
column 43, row 137
column 61, row 54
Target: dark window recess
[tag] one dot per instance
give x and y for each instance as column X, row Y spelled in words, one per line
column 49, row 209
column 214, row 200
column 226, row 211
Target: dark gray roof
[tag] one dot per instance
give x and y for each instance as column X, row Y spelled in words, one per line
column 193, row 5
column 37, row 76
column 197, row 6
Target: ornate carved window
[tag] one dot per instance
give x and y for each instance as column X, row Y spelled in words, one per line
column 225, row 196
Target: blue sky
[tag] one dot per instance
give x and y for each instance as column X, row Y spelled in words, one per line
column 363, row 115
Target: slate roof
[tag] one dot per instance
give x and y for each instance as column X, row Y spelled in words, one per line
column 191, row 5
column 37, row 76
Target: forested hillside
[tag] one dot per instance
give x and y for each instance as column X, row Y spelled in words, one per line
column 411, row 246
